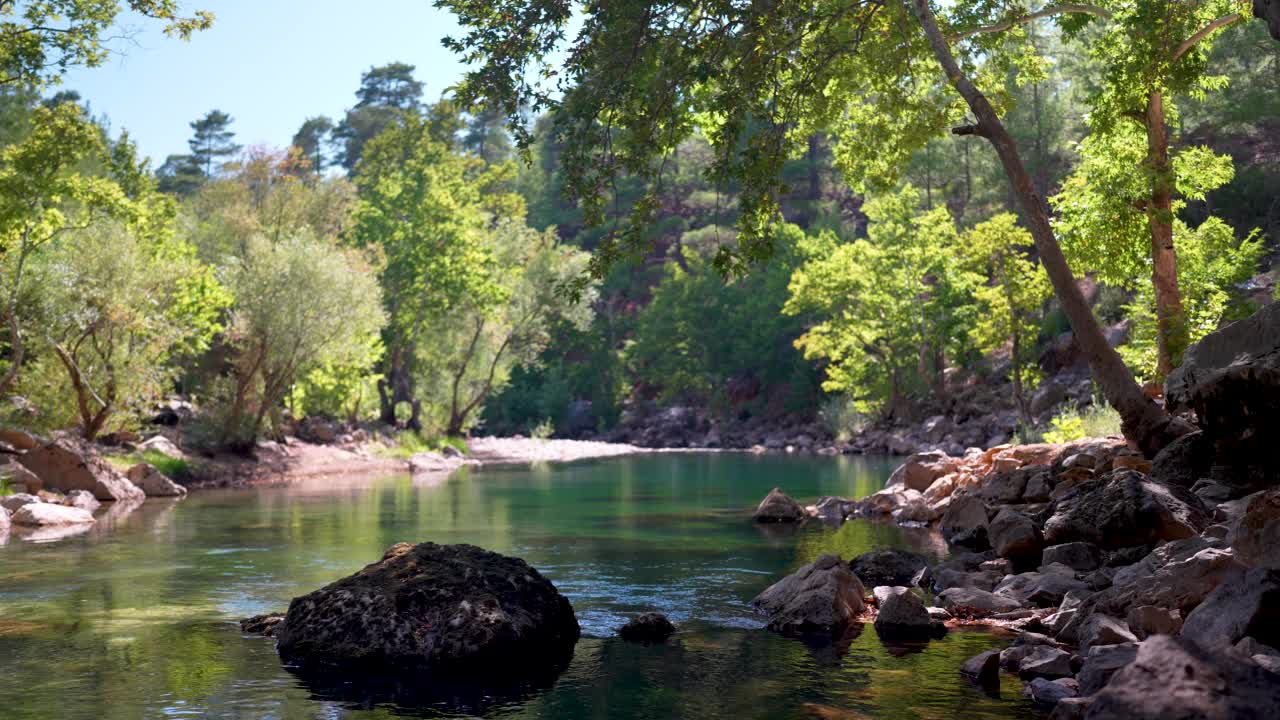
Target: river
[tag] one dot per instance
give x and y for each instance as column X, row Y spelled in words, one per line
column 137, row 617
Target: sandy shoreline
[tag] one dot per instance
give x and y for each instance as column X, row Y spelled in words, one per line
column 297, row 460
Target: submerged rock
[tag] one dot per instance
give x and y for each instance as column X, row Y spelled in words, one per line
column 649, row 628
column 888, row 566
column 823, row 596
column 432, row 607
column 777, row 506
column 264, row 624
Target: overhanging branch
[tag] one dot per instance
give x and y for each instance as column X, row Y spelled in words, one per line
column 1203, row 33
column 1065, row 9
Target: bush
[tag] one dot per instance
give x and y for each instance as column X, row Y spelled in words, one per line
column 1097, row 420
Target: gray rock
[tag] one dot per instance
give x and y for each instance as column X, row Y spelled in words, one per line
column 888, row 566
column 19, row 478
column 66, row 466
column 648, row 628
column 921, row 469
column 153, row 483
column 82, row 499
column 50, row 515
column 1231, row 378
column 1102, row 662
column 1015, row 536
column 832, row 510
column 821, row 596
column 1123, row 509
column 983, row 669
column 902, row 614
column 264, row 624
column 432, row 608
column 977, row 602
column 1257, row 535
column 1104, row 630
column 1045, row 662
column 1173, row 679
column 1008, row 486
column 1049, row 693
column 1247, row 605
column 1039, row 488
column 1184, row 461
column 778, row 507
column 1147, row 620
column 1080, row 556
column 17, row 500
column 966, row 512
column 1073, row 708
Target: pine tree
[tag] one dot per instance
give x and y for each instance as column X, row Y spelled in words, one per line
column 212, row 139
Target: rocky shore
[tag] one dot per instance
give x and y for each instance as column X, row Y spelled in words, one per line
column 1136, row 588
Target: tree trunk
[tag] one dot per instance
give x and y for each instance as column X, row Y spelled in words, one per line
column 1171, row 322
column 1144, row 423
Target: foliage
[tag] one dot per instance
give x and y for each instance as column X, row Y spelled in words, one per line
column 1009, row 301
column 1096, row 420
column 892, row 306
column 1212, row 265
column 39, row 41
column 301, row 304
column 387, row 93
column 699, row 334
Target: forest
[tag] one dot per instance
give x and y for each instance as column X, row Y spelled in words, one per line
column 412, row 263
column 980, row 297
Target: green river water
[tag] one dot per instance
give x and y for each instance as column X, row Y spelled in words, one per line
column 137, row 617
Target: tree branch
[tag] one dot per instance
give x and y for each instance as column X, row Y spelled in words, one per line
column 1030, row 17
column 1203, row 33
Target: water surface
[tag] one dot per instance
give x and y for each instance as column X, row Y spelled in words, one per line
column 137, row 617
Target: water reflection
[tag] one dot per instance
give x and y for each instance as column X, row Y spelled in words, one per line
column 137, row 617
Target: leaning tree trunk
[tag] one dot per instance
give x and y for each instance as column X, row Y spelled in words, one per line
column 1144, row 423
column 1171, row 322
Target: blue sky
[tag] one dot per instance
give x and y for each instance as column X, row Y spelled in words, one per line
column 269, row 63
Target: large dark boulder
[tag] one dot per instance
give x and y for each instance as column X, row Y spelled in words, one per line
column 777, row 506
column 1257, row 540
column 1125, row 508
column 821, row 597
column 1269, row 12
column 432, row 608
column 1231, row 379
column 1184, row 461
column 888, row 566
column 1016, row 537
column 1174, row 679
column 1246, row 605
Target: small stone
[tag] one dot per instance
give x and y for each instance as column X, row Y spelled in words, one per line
column 778, row 507
column 983, row 669
column 649, row 628
column 1045, row 662
column 153, row 482
column 1147, row 620
column 1102, row 629
column 82, row 499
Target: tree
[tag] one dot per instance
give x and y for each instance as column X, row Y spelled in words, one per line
column 486, row 137
column 890, row 307
column 1152, row 51
column 312, row 140
column 422, row 208
column 211, row 140
column 40, row 41
column 300, row 304
column 386, row 93
column 1017, row 288
column 469, row 352
column 118, row 307
column 759, row 78
column 42, row 197
column 180, row 175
